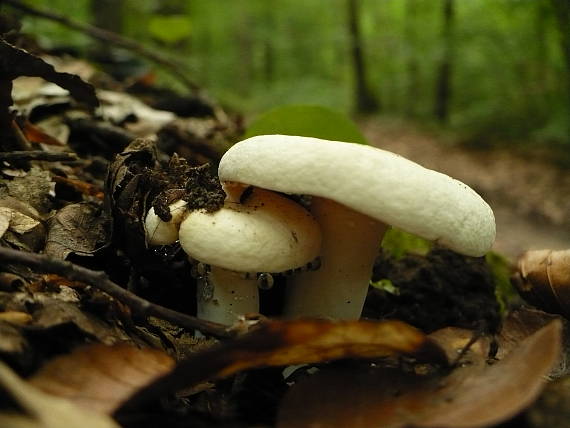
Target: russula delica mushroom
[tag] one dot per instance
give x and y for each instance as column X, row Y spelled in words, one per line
column 238, row 248
column 160, row 232
column 357, row 192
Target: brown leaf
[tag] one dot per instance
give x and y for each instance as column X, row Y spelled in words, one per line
column 53, row 312
column 77, row 228
column 80, row 186
column 15, row 221
column 37, row 409
column 15, row 317
column 99, row 377
column 472, row 396
column 34, row 189
column 282, row 343
column 37, row 135
column 544, row 280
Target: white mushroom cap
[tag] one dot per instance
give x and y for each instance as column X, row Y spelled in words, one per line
column 265, row 233
column 380, row 184
column 160, row 232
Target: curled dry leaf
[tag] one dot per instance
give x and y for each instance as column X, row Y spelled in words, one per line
column 474, row 395
column 99, row 377
column 544, row 280
column 15, row 221
column 38, row 409
column 77, row 228
column 282, row 343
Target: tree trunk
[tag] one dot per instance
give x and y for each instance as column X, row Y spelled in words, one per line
column 245, row 43
column 413, row 68
column 366, row 101
column 269, row 56
column 108, row 14
column 562, row 9
column 443, row 90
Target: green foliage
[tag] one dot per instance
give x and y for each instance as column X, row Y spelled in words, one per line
column 307, row 121
column 504, row 290
column 508, row 71
column 398, row 243
column 385, row 285
column 171, row 28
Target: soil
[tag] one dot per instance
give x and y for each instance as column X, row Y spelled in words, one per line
column 439, row 290
column 528, row 194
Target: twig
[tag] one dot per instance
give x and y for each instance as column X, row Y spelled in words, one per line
column 38, row 155
column 109, row 37
column 99, row 279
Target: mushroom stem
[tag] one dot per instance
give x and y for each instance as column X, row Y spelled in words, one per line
column 223, row 295
column 350, row 243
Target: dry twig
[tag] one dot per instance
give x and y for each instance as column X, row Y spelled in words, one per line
column 99, row 279
column 37, row 155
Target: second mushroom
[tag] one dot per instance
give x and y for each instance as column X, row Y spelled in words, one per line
column 237, row 248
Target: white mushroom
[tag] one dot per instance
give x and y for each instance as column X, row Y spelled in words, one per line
column 357, row 192
column 159, row 232
column 267, row 233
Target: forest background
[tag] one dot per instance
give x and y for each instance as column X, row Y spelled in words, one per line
column 493, row 71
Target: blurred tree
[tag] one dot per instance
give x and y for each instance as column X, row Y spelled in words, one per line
column 269, row 53
column 108, row 14
column 444, row 77
column 562, row 9
column 413, row 72
column 366, row 101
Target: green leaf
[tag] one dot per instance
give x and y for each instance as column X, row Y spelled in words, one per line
column 171, row 28
column 399, row 243
column 501, row 269
column 385, row 285
column 307, row 121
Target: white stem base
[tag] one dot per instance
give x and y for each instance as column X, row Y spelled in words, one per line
column 350, row 245
column 231, row 296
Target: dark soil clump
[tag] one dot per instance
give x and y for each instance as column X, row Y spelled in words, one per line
column 438, row 290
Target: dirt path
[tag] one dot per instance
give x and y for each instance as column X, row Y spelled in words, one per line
column 530, row 197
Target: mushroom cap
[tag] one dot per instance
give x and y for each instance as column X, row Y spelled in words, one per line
column 380, row 184
column 265, row 233
column 160, row 232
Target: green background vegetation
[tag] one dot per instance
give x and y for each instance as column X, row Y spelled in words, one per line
column 507, row 60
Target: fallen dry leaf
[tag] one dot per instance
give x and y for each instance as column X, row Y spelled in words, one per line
column 15, row 317
column 33, row 189
column 37, row 135
column 99, row 377
column 37, row 409
column 544, row 280
column 474, row 395
column 83, row 187
column 77, row 228
column 282, row 343
column 15, row 221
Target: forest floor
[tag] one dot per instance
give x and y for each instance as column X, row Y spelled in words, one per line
column 529, row 195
